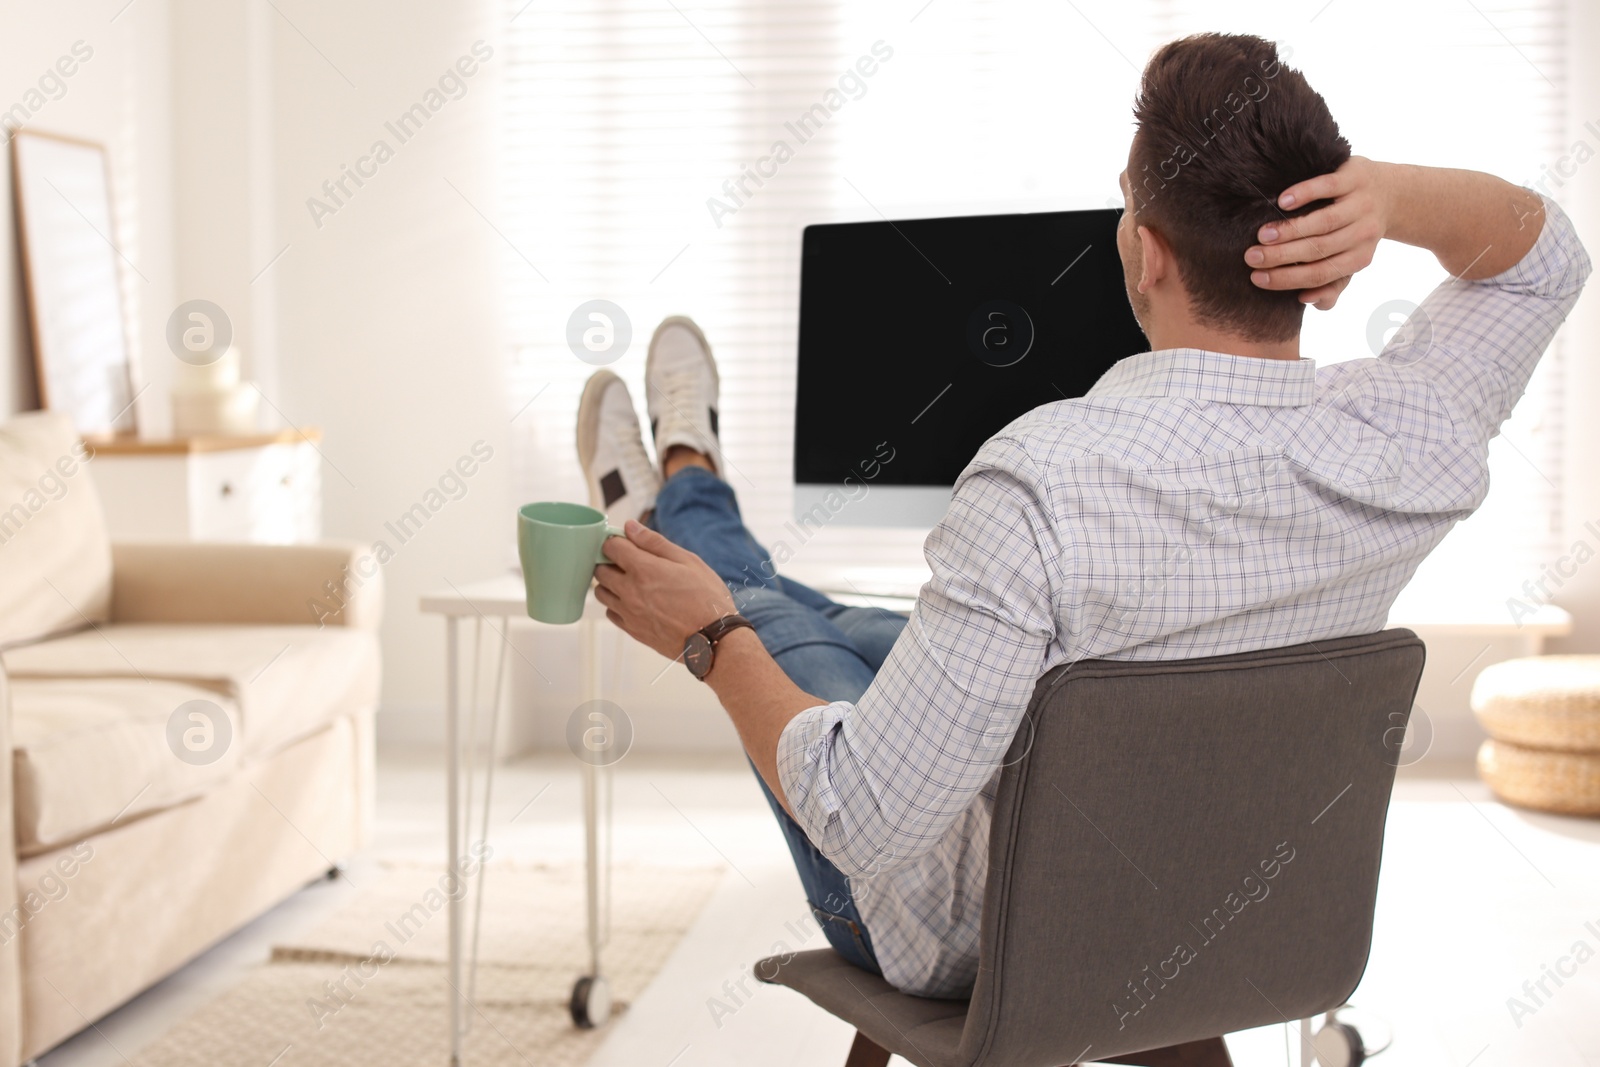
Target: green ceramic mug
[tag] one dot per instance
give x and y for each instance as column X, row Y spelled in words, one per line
column 559, row 545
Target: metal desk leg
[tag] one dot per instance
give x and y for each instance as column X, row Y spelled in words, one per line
column 488, row 802
column 452, row 709
column 591, row 994
column 591, row 799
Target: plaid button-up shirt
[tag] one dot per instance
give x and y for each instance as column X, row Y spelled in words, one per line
column 1192, row 504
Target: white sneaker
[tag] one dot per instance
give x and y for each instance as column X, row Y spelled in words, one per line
column 681, row 385
column 622, row 480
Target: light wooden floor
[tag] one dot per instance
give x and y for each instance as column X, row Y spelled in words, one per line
column 1476, row 899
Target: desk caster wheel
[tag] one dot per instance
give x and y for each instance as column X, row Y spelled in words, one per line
column 1336, row 1045
column 591, row 1002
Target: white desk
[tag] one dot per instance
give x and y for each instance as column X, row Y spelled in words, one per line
column 494, row 603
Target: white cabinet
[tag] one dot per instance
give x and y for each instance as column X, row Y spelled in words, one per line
column 264, row 487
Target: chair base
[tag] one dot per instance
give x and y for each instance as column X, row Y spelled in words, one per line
column 1211, row 1052
column 865, row 1052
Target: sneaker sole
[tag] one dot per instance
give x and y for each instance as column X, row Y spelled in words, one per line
column 650, row 361
column 589, row 421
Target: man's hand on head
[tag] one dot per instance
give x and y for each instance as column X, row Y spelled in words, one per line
column 1319, row 252
column 657, row 592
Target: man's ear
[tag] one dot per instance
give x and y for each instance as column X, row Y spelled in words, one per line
column 1157, row 258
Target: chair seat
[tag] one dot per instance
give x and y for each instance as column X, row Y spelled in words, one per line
column 287, row 682
column 923, row 1030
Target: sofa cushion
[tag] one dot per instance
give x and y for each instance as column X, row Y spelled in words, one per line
column 91, row 752
column 286, row 682
column 55, row 555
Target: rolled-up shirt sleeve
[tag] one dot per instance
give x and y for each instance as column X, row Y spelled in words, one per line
column 1477, row 342
column 876, row 784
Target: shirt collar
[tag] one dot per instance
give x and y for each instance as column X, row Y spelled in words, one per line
column 1212, row 376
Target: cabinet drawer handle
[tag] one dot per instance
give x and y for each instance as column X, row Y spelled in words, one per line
column 227, row 489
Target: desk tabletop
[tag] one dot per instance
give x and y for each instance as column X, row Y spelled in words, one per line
column 502, row 595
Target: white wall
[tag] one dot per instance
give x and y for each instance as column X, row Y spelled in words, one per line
column 122, row 97
column 388, row 312
column 223, row 226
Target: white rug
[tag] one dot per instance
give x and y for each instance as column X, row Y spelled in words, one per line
column 370, row 984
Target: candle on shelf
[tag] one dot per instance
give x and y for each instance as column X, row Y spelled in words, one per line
column 210, row 399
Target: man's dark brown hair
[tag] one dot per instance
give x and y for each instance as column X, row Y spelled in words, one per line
column 1224, row 126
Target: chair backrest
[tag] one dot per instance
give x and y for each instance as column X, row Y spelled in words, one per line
column 1187, row 848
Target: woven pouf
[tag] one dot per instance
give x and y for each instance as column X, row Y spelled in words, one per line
column 1542, row 715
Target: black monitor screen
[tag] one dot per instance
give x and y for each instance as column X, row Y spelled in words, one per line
column 932, row 334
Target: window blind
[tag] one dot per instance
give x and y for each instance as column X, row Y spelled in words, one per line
column 642, row 166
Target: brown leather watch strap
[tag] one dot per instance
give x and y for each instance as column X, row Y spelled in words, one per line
column 724, row 626
column 700, row 647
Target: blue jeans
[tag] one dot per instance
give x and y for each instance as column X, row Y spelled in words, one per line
column 829, row 650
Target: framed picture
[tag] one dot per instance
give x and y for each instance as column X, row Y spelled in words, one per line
column 72, row 272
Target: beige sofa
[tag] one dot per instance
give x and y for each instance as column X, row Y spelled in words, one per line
column 191, row 736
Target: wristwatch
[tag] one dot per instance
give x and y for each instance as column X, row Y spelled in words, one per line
column 700, row 647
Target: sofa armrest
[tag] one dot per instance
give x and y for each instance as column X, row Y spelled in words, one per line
column 11, row 915
column 332, row 583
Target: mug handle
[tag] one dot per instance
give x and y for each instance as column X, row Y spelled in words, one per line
column 610, row 532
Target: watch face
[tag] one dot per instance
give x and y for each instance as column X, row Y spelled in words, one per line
column 697, row 654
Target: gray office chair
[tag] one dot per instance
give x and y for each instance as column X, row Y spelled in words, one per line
column 1180, row 850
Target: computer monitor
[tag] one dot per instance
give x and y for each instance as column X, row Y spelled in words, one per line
column 920, row 339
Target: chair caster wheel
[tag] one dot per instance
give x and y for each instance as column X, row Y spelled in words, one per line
column 1339, row 1045
column 591, row 1002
